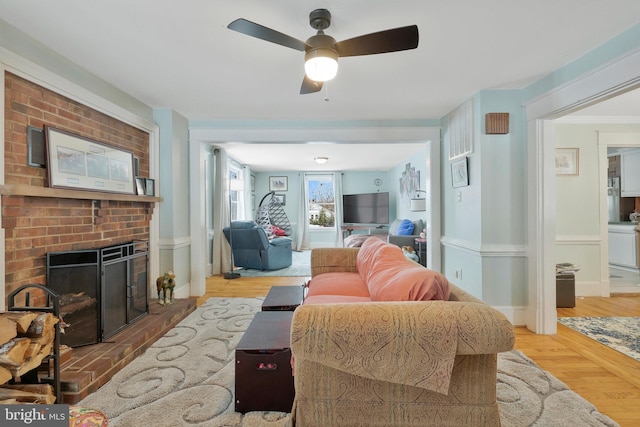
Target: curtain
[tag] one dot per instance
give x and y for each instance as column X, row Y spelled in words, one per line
column 221, row 249
column 301, row 240
column 337, row 200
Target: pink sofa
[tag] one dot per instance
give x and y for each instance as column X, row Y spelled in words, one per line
column 382, row 341
column 382, row 273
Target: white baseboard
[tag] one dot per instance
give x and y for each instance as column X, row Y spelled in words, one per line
column 515, row 314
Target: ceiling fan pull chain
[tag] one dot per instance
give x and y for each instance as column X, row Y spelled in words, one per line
column 326, row 91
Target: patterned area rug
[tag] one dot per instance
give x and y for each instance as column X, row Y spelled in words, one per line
column 187, row 378
column 301, row 267
column 619, row 333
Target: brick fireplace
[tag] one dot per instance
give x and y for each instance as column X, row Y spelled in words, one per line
column 38, row 219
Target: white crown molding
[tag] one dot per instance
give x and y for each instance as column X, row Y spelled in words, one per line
column 600, row 120
column 603, row 82
column 341, row 135
column 28, row 70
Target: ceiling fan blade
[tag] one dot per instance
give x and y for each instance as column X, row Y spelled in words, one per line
column 261, row 32
column 394, row 40
column 310, row 86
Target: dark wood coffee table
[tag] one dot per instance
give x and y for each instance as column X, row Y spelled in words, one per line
column 264, row 381
column 283, row 298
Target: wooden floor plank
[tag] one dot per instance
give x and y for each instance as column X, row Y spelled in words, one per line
column 606, row 378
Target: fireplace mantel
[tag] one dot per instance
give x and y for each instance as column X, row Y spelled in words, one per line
column 61, row 193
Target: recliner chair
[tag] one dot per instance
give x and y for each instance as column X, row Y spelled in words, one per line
column 252, row 248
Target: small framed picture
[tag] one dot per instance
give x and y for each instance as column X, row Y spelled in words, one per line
column 140, row 186
column 567, row 161
column 150, row 187
column 281, row 198
column 460, row 172
column 278, row 183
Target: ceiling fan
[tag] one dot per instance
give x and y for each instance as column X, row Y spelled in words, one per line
column 322, row 51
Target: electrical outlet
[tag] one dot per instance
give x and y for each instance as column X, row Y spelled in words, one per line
column 458, row 274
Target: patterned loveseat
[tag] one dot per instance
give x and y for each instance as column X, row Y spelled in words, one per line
column 393, row 363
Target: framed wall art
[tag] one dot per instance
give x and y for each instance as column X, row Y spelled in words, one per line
column 80, row 163
column 460, row 172
column 278, row 183
column 567, row 161
column 150, row 187
column 140, row 186
column 281, row 198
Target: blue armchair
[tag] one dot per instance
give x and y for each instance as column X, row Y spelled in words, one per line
column 252, row 249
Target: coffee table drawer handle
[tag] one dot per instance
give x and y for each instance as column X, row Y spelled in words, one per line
column 266, row 366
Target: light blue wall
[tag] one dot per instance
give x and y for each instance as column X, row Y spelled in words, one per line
column 173, row 187
column 402, row 208
column 484, row 223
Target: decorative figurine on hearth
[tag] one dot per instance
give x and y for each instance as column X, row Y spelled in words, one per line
column 166, row 283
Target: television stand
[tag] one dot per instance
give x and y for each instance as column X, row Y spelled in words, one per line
column 347, row 229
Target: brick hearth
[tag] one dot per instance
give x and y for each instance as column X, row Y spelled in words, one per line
column 90, row 367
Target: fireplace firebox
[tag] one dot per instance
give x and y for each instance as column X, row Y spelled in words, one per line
column 101, row 290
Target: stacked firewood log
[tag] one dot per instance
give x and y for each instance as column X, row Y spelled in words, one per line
column 26, row 339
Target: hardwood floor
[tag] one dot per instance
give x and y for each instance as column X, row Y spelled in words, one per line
column 603, row 376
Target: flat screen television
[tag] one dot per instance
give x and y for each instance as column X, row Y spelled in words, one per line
column 367, row 208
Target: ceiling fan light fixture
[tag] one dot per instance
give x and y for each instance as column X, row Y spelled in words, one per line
column 321, row 160
column 321, row 64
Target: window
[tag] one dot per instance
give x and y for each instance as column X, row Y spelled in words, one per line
column 236, row 192
column 320, row 202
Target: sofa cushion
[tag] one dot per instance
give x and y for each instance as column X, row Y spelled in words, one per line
column 405, row 228
column 350, row 284
column 390, row 276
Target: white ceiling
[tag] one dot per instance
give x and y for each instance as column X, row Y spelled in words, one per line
column 180, row 55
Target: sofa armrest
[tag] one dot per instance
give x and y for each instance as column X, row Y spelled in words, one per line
column 372, row 339
column 331, row 260
column 402, row 240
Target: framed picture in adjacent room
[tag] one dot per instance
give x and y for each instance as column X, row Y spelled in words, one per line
column 460, row 172
column 278, row 183
column 567, row 161
column 281, row 198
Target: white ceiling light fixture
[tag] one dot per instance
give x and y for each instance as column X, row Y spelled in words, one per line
column 321, row 160
column 321, row 64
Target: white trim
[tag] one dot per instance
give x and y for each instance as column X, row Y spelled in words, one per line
column 604, row 120
column 486, row 251
column 338, row 135
column 515, row 314
column 41, row 76
column 579, row 240
column 606, row 81
column 173, row 244
column 611, row 79
column 592, row 289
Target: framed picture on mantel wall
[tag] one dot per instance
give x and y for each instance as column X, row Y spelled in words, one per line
column 80, row 163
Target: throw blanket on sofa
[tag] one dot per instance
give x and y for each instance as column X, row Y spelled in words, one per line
column 413, row 344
